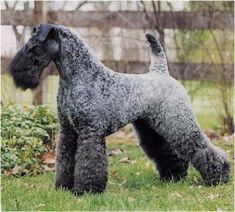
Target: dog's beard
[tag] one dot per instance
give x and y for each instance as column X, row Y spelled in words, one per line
column 23, row 80
column 25, row 72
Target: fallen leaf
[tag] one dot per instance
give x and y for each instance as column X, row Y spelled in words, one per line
column 122, row 183
column 125, row 160
column 176, row 194
column 49, row 158
column 148, row 165
column 115, row 152
column 212, row 134
column 213, row 196
column 130, row 135
column 48, row 169
column 130, row 199
column 40, row 205
column 16, row 170
column 228, row 138
column 120, row 134
column 7, row 173
column 133, row 161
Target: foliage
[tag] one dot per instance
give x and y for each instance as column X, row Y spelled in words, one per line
column 211, row 46
column 132, row 186
column 24, row 131
column 210, row 5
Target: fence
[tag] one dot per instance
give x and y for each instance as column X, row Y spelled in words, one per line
column 105, row 21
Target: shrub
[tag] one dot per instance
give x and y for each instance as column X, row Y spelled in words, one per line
column 24, row 131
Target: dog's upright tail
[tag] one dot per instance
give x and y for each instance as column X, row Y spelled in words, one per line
column 158, row 57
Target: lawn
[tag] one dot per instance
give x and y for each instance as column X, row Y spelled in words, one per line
column 133, row 182
column 133, row 185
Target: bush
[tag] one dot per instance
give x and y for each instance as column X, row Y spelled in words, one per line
column 24, row 131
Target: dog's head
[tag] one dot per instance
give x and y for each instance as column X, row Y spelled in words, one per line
column 29, row 62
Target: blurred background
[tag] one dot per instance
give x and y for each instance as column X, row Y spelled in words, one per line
column 198, row 38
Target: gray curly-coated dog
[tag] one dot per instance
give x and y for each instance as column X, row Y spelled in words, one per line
column 93, row 102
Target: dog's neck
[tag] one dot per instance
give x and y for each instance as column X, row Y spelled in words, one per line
column 75, row 60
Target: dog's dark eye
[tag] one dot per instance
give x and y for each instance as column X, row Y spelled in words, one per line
column 31, row 49
column 35, row 50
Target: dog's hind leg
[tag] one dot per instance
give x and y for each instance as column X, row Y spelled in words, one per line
column 169, row 165
column 211, row 162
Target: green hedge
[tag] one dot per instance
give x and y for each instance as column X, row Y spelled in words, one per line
column 26, row 132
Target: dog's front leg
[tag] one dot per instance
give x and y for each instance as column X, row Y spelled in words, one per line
column 65, row 158
column 90, row 173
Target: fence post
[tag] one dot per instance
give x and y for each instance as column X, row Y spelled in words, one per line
column 40, row 16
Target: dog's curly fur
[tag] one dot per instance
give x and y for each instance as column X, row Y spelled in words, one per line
column 94, row 101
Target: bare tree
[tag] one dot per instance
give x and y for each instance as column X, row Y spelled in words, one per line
column 221, row 77
column 156, row 22
column 19, row 36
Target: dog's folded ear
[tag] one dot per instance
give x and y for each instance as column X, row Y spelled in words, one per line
column 49, row 37
column 47, row 31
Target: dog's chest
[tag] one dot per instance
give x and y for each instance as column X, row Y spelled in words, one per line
column 78, row 106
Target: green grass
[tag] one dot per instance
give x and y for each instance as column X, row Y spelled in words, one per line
column 207, row 103
column 131, row 186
